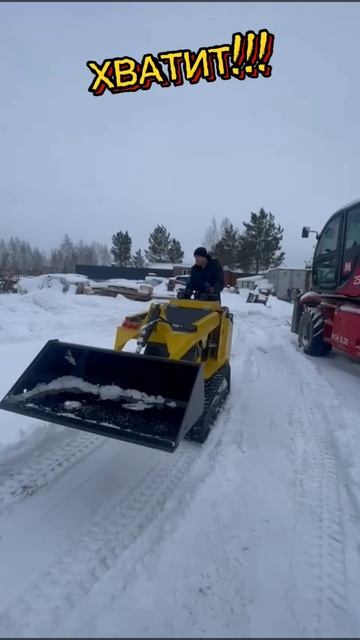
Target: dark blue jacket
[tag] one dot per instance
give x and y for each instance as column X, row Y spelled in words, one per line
column 201, row 279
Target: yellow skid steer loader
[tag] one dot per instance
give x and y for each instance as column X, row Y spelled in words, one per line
column 170, row 388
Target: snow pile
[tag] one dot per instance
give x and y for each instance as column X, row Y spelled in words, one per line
column 73, row 384
column 68, row 283
column 264, row 284
column 162, row 287
column 46, row 314
column 275, row 308
column 55, row 281
column 118, row 282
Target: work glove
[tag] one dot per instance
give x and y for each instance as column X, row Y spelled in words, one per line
column 208, row 288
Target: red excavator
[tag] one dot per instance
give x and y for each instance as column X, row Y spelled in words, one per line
column 328, row 316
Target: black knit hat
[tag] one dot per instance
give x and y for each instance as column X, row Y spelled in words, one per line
column 201, row 251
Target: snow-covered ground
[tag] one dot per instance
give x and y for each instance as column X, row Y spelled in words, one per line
column 255, row 533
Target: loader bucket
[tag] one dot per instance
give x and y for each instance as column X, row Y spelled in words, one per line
column 141, row 399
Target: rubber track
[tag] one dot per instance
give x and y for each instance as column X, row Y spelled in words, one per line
column 211, row 390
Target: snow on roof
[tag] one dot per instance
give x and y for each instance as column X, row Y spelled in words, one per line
column 166, row 265
column 251, row 278
column 159, row 265
column 284, row 268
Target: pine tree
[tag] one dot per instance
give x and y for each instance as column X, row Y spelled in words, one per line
column 224, row 224
column 260, row 245
column 121, row 249
column 159, row 244
column 176, row 254
column 226, row 249
column 138, row 260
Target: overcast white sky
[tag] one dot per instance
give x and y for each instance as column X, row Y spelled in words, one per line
column 72, row 163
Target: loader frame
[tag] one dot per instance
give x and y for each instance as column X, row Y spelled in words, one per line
column 204, row 339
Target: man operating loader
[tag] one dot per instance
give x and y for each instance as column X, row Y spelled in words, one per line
column 206, row 277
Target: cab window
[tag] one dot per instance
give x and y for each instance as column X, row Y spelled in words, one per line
column 351, row 244
column 326, row 259
column 352, row 235
column 329, row 238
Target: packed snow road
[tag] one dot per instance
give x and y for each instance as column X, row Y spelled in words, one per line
column 256, row 533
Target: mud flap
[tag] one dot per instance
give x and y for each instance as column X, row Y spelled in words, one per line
column 296, row 315
column 141, row 399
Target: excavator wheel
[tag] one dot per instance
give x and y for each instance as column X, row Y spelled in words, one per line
column 216, row 390
column 311, row 332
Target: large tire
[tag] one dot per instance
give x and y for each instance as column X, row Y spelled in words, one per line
column 311, row 333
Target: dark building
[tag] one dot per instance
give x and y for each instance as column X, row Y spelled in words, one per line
column 98, row 273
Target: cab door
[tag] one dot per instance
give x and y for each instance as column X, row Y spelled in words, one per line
column 351, row 245
column 327, row 257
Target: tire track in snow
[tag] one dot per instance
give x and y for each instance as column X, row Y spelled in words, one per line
column 44, row 466
column 268, row 599
column 322, row 595
column 95, row 550
column 320, row 534
column 100, row 544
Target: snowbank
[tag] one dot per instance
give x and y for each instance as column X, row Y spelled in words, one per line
column 119, row 282
column 58, row 281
